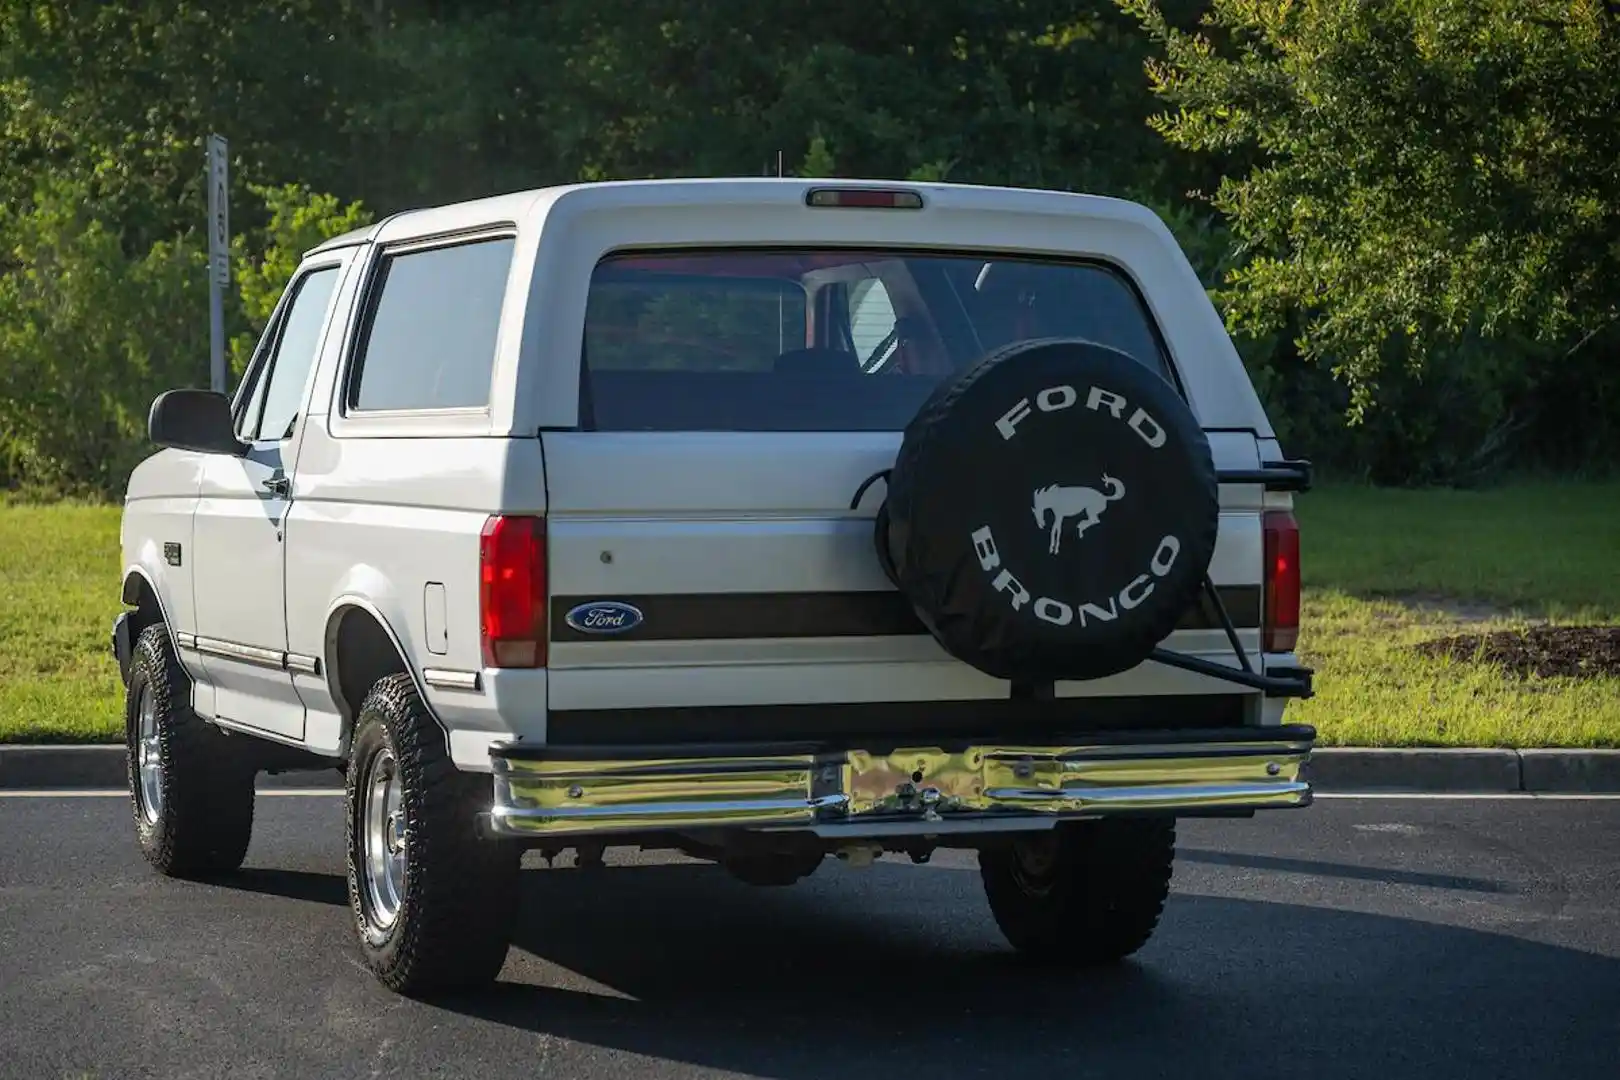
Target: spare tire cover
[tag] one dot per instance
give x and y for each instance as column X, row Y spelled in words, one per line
column 1052, row 512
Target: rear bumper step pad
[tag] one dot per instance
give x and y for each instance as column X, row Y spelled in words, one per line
column 546, row 792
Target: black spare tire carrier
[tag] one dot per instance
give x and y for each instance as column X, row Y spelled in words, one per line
column 1052, row 515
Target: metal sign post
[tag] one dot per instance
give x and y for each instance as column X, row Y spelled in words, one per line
column 219, row 257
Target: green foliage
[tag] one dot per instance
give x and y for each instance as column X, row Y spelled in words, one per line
column 264, row 261
column 1422, row 192
column 490, row 96
column 89, row 335
column 1411, row 205
column 104, row 105
column 119, row 94
column 818, row 159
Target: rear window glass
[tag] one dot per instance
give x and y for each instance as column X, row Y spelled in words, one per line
column 835, row 340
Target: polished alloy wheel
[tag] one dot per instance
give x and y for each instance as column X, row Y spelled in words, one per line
column 383, row 840
column 149, row 757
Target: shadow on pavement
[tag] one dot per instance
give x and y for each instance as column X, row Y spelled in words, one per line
column 318, row 888
column 1341, row 870
column 898, row 970
column 797, row 985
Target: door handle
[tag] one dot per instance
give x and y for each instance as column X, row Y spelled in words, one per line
column 278, row 485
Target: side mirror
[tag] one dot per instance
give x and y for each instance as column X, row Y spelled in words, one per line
column 194, row 420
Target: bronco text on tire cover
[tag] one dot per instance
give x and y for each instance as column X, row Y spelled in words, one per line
column 1052, row 513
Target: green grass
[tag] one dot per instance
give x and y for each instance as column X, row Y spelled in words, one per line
column 1387, row 569
column 1549, row 549
column 58, row 596
column 1383, row 570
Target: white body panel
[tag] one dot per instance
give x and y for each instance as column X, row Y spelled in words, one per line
column 239, row 574
column 385, row 510
column 707, row 513
column 351, row 540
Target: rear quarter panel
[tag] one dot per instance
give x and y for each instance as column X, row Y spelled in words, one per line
column 373, row 522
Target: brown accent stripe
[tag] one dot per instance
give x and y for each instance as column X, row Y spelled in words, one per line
column 722, row 616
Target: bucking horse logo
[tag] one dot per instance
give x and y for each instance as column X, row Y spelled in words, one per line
column 1085, row 505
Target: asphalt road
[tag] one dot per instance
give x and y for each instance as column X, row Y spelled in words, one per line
column 1372, row 939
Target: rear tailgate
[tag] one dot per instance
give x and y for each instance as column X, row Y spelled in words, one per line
column 757, row 585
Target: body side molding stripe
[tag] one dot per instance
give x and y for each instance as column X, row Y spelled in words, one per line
column 719, row 616
column 253, row 654
column 451, row 679
column 303, row 665
column 247, row 654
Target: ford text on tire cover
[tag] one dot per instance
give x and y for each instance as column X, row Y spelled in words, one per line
column 769, row 521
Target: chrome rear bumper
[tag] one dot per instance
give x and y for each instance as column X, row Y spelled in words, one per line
column 543, row 792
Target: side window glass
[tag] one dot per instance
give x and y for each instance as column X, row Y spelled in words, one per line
column 280, row 389
column 429, row 342
column 871, row 322
column 248, row 423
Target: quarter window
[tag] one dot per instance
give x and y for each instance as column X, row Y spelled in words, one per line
column 429, row 339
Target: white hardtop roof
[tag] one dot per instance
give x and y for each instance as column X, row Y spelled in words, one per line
column 736, row 191
column 547, row 292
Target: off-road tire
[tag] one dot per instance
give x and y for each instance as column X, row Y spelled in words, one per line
column 460, row 896
column 1098, row 901
column 205, row 820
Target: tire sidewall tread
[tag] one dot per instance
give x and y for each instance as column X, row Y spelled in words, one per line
column 1111, row 881
column 460, row 896
column 206, row 823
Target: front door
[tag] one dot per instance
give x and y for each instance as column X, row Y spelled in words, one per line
column 240, row 569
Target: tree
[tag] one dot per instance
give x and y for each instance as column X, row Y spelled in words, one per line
column 118, row 95
column 90, row 334
column 1421, row 188
column 265, row 260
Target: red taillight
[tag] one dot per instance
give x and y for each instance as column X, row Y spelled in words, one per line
column 871, row 198
column 1280, row 625
column 512, row 592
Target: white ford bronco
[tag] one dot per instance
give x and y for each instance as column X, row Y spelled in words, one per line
column 762, row 520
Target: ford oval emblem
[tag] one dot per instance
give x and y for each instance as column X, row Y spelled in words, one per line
column 604, row 617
